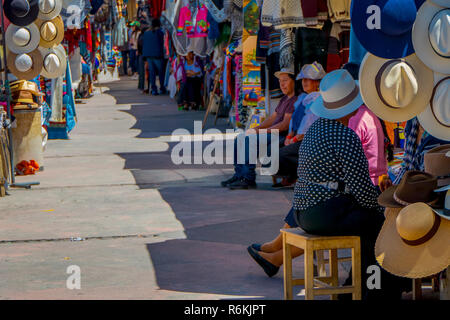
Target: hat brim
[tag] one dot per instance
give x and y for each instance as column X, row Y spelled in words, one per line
column 386, row 199
column 375, row 41
column 29, row 18
column 53, row 14
column 370, row 67
column 59, row 24
column 429, row 122
column 61, row 54
column 442, row 3
column 413, row 262
column 32, row 44
column 279, row 73
column 446, row 188
column 421, row 39
column 35, row 70
column 319, row 109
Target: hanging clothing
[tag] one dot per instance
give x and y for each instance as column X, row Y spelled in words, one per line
column 194, row 29
column 287, row 58
column 282, row 14
column 311, row 45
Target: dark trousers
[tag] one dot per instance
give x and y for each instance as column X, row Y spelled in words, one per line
column 343, row 216
column 125, row 61
column 141, row 70
column 133, row 61
column 156, row 68
column 190, row 91
column 289, row 161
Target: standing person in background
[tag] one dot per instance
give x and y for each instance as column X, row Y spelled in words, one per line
column 153, row 51
column 140, row 58
column 190, row 89
column 125, row 51
column 135, row 25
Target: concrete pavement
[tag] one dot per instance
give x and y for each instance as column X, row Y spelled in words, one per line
column 151, row 229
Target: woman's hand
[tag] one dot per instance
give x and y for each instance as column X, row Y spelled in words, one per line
column 384, row 183
column 287, row 141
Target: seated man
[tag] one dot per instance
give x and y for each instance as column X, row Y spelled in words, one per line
column 245, row 175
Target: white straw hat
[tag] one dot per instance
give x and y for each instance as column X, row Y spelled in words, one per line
column 52, row 31
column 431, row 36
column 54, row 62
column 22, row 39
column 49, row 9
column 25, row 66
column 395, row 90
column 435, row 119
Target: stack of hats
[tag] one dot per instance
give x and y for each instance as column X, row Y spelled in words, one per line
column 25, row 94
column 33, row 38
column 406, row 72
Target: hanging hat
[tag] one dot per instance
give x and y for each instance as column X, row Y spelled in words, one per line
column 313, row 71
column 437, row 163
column 21, row 12
column 431, row 36
column 52, row 32
column 284, row 71
column 435, row 119
column 22, row 39
column 25, row 66
column 49, row 9
column 339, row 96
column 54, row 62
column 415, row 186
column 392, row 39
column 445, row 212
column 413, row 242
column 395, row 90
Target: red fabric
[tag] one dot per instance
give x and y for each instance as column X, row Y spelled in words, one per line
column 334, row 62
column 156, row 8
column 88, row 36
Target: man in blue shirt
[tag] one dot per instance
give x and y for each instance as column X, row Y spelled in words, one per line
column 153, row 52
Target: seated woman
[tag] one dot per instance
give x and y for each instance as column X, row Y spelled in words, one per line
column 334, row 194
column 190, row 88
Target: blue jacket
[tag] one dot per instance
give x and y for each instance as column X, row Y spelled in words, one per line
column 153, row 44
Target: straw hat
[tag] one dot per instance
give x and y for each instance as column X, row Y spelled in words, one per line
column 54, row 62
column 416, row 186
column 21, row 12
column 23, row 97
column 395, row 90
column 437, row 163
column 23, row 85
column 435, row 119
column 284, row 71
column 413, row 242
column 25, row 66
column 313, row 71
column 430, row 35
column 339, row 96
column 392, row 39
column 52, row 32
column 49, row 9
column 445, row 212
column 22, row 39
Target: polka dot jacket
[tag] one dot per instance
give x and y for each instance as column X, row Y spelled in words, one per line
column 331, row 152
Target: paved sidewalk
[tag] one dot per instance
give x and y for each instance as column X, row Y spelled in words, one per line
column 152, row 230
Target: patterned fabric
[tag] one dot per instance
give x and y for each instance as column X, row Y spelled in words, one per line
column 282, row 14
column 287, row 58
column 331, row 152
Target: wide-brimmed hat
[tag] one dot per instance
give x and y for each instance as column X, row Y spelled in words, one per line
column 284, row 71
column 445, row 211
column 437, row 163
column 435, row 119
column 395, row 90
column 21, row 12
column 22, row 39
column 313, row 71
column 49, row 9
column 23, row 85
column 339, row 96
column 391, row 39
column 52, row 31
column 430, row 36
column 415, row 186
column 54, row 62
column 25, row 66
column 413, row 242
column 23, row 97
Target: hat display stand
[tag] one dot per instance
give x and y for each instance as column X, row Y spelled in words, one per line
column 11, row 183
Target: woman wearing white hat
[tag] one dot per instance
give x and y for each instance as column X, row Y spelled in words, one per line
column 334, row 194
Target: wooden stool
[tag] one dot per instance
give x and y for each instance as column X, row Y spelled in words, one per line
column 322, row 285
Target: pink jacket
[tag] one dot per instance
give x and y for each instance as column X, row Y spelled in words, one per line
column 194, row 29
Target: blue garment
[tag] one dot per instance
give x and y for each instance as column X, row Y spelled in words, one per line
column 357, row 51
column 298, row 114
column 214, row 32
column 156, row 68
column 153, row 44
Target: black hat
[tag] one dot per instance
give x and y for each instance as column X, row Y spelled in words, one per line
column 21, row 12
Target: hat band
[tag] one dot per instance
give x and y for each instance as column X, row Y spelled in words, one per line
column 404, row 203
column 342, row 102
column 429, row 40
column 434, row 229
column 378, row 80
column 431, row 103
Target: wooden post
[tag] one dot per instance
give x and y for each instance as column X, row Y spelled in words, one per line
column 334, row 270
column 287, row 268
column 309, row 272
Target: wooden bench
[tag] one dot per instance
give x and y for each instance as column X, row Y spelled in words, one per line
column 323, row 284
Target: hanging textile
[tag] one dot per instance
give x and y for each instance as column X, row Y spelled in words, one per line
column 287, row 58
column 282, row 14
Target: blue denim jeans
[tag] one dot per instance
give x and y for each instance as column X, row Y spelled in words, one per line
column 156, row 68
column 247, row 169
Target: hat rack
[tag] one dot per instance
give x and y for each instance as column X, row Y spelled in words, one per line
column 4, row 79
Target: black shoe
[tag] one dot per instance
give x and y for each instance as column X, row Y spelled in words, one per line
column 268, row 267
column 256, row 246
column 226, row 183
column 154, row 93
column 242, row 184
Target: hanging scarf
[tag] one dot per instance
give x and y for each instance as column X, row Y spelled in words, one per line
column 287, row 59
